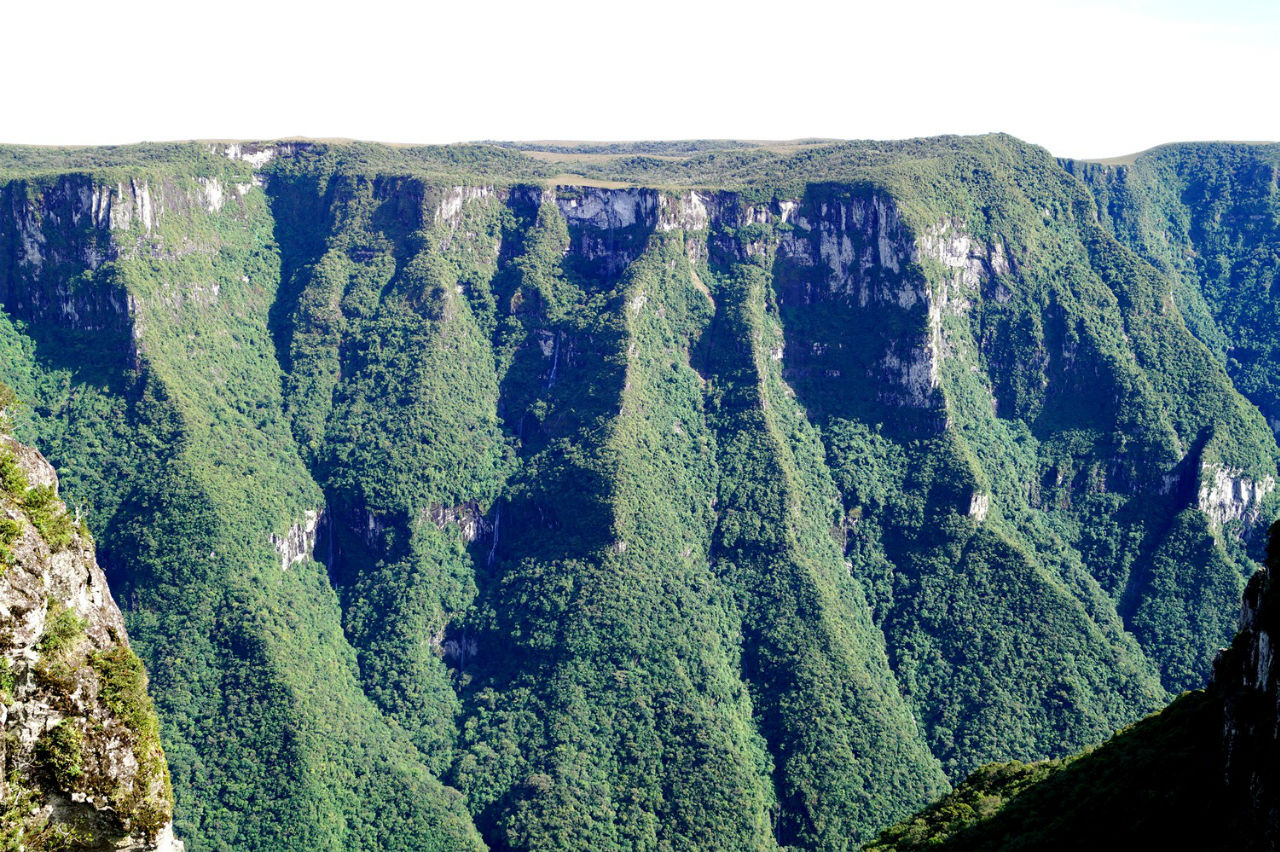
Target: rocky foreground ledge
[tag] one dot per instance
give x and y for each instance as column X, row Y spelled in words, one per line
column 83, row 764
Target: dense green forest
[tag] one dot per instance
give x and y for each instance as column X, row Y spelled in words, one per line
column 1155, row 785
column 690, row 496
column 1200, row 774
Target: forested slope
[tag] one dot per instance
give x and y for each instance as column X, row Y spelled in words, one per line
column 1200, row 774
column 741, row 502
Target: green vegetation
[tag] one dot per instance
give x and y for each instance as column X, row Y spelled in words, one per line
column 1199, row 774
column 646, row 524
column 60, row 753
column 10, row 531
column 63, row 629
column 823, row 693
column 1155, row 785
column 9, row 406
column 1208, row 215
column 23, row 830
column 187, row 467
column 39, row 504
column 6, row 681
column 691, row 146
column 122, row 687
column 979, row 797
column 618, row 669
column 50, row 518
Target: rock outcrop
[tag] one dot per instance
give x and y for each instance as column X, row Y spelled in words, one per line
column 83, row 764
column 1248, row 677
column 1227, row 495
column 299, row 543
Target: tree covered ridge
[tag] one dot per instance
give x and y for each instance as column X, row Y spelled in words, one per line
column 652, row 519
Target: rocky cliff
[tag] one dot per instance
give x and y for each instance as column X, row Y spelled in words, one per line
column 734, row 499
column 83, row 764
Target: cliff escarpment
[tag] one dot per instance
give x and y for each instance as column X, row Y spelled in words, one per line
column 728, row 500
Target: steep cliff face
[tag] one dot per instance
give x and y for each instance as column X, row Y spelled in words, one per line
column 739, row 506
column 82, row 756
column 207, row 516
column 580, row 310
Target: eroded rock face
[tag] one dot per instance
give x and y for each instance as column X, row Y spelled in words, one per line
column 299, row 543
column 455, row 198
column 862, row 241
column 1226, row 495
column 609, row 208
column 467, row 517
column 56, row 233
column 979, row 506
column 81, row 742
column 857, row 255
column 66, row 236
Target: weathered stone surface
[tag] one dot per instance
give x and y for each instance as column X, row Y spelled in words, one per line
column 63, row 645
column 1227, row 495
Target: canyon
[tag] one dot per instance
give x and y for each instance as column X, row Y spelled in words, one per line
column 736, row 498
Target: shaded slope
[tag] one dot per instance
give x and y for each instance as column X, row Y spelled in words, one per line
column 1155, row 785
column 1200, row 774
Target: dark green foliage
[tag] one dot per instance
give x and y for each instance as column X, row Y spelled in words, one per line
column 1186, row 580
column 1155, row 785
column 60, row 753
column 1000, row 630
column 1199, row 774
column 979, row 797
column 1208, row 214
column 605, row 709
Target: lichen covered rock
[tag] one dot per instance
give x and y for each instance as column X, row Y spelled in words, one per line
column 83, row 764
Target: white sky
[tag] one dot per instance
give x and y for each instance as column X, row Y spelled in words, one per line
column 1081, row 77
